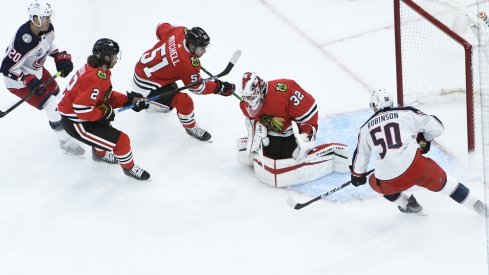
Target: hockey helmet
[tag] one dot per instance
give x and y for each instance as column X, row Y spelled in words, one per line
column 40, row 9
column 197, row 37
column 105, row 46
column 254, row 90
column 380, row 99
column 106, row 50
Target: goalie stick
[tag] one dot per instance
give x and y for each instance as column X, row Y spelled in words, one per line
column 292, row 203
column 4, row 113
column 226, row 71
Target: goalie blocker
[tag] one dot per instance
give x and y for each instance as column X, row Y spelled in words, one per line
column 319, row 161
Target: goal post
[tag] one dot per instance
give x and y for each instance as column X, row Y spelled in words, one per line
column 438, row 53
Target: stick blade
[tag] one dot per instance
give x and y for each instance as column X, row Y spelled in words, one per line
column 235, row 57
column 292, row 203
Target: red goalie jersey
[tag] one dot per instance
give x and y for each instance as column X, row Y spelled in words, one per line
column 170, row 60
column 283, row 102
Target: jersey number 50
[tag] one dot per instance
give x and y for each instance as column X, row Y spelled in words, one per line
column 389, row 137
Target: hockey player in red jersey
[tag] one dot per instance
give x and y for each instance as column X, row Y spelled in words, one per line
column 23, row 69
column 282, row 120
column 399, row 137
column 176, row 57
column 87, row 109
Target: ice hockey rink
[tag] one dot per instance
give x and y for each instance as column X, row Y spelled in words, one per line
column 202, row 212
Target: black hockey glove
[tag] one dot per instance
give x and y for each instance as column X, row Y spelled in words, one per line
column 224, row 88
column 423, row 143
column 357, row 179
column 63, row 63
column 35, row 85
column 108, row 115
column 138, row 100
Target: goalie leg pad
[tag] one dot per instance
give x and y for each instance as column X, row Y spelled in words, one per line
column 289, row 172
column 243, row 157
column 341, row 155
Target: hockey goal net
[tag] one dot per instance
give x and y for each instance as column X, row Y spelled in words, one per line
column 441, row 55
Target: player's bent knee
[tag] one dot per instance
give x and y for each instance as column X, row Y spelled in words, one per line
column 123, row 144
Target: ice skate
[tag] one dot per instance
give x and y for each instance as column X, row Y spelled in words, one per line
column 480, row 208
column 108, row 157
column 199, row 134
column 71, row 147
column 137, row 173
column 412, row 207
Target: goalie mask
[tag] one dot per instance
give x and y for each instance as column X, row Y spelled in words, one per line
column 254, row 90
column 40, row 9
column 380, row 99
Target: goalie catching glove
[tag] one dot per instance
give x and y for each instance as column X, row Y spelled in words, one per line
column 423, row 143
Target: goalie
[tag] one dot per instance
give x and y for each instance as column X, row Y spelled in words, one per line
column 282, row 120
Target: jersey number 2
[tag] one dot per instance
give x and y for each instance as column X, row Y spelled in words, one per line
column 389, row 138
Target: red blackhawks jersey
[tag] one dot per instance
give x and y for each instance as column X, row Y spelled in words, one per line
column 169, row 61
column 285, row 101
column 89, row 88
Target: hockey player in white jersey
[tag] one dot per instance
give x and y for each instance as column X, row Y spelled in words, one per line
column 398, row 137
column 24, row 72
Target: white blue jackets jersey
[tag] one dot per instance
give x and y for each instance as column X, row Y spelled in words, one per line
column 26, row 55
column 390, row 134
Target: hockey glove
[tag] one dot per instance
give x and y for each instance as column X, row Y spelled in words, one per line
column 63, row 63
column 357, row 179
column 304, row 145
column 304, row 141
column 224, row 88
column 35, row 85
column 108, row 114
column 308, row 129
column 423, row 143
column 138, row 100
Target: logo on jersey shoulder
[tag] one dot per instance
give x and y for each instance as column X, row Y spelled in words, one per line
column 102, row 75
column 27, row 38
column 273, row 123
column 195, row 61
column 281, row 87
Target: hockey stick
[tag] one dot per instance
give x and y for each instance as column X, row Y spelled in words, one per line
column 228, row 68
column 209, row 74
column 4, row 113
column 298, row 206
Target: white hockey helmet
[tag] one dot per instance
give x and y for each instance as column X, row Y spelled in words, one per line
column 380, row 99
column 40, row 9
column 254, row 90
